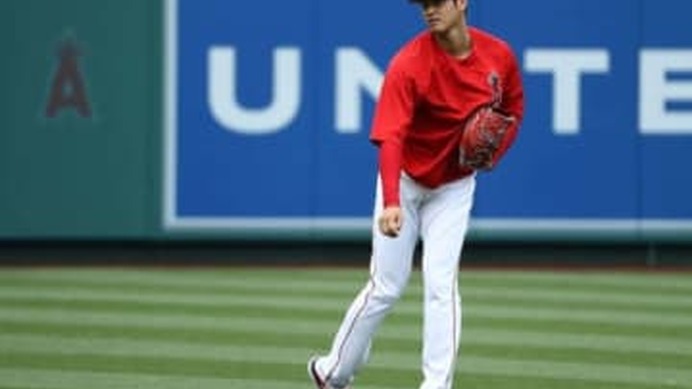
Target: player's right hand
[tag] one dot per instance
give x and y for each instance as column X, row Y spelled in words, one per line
column 390, row 221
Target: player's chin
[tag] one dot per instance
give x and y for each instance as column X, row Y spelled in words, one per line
column 436, row 28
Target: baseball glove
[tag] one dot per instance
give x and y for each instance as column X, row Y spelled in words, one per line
column 482, row 136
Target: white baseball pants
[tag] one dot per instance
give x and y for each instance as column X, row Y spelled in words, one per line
column 439, row 217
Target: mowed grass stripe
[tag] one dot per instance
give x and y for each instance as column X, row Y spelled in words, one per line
column 622, row 301
column 475, row 343
column 578, row 299
column 188, row 283
column 548, row 326
column 600, row 279
column 604, row 278
column 79, row 323
column 279, row 313
column 28, row 378
column 345, row 279
column 480, row 381
column 163, row 365
column 213, row 278
column 25, row 378
column 629, row 299
column 581, row 328
column 475, row 296
column 347, row 290
column 67, row 297
column 61, row 349
column 575, row 355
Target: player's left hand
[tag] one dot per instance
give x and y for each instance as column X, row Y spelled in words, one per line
column 481, row 159
column 482, row 136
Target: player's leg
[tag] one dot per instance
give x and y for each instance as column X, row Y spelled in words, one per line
column 390, row 268
column 444, row 222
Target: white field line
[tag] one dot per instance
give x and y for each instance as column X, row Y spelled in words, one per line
column 614, row 373
column 287, row 327
column 634, row 317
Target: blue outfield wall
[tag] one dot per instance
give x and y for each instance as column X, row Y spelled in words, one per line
column 268, row 117
column 218, row 119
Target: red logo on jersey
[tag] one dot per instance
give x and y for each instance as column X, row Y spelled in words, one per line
column 496, row 88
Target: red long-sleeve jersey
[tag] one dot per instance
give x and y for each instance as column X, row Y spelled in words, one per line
column 426, row 98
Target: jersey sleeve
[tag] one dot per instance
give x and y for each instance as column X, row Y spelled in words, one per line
column 393, row 115
column 512, row 104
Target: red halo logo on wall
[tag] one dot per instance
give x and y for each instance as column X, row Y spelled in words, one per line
column 67, row 88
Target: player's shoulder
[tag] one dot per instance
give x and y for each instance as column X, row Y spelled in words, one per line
column 414, row 53
column 489, row 40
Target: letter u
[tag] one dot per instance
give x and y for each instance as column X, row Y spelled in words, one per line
column 222, row 93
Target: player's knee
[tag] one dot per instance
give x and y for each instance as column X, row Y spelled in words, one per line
column 441, row 294
column 388, row 294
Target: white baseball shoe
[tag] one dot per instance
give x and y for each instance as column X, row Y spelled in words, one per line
column 320, row 382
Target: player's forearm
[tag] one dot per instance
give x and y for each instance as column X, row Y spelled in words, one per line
column 513, row 105
column 390, row 160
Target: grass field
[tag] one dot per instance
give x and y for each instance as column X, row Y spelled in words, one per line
column 254, row 329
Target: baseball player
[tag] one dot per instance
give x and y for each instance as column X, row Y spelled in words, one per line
column 433, row 91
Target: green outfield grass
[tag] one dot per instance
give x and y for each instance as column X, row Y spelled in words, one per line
column 255, row 329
